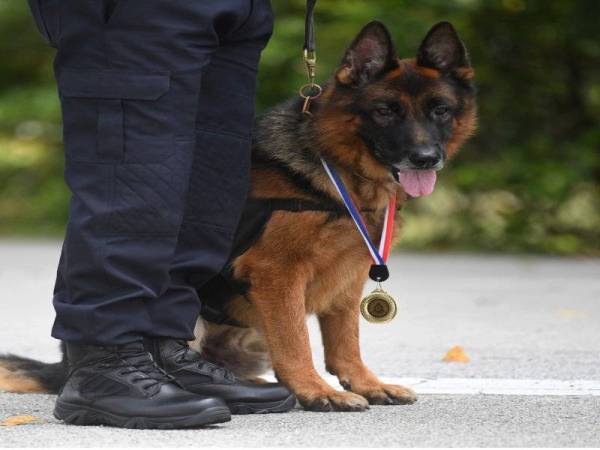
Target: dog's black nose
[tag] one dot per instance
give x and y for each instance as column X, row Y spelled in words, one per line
column 425, row 158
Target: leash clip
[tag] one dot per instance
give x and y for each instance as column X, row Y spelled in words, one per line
column 310, row 90
column 310, row 61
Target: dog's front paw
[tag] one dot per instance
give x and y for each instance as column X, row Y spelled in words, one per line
column 332, row 401
column 388, row 394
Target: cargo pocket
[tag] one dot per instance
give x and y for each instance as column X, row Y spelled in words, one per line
column 122, row 124
column 115, row 116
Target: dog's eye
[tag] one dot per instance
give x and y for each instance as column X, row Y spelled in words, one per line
column 384, row 112
column 441, row 112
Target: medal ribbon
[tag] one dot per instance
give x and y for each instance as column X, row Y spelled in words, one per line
column 379, row 255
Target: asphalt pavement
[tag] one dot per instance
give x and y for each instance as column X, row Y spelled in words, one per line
column 530, row 326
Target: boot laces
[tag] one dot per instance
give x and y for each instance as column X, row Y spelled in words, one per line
column 208, row 367
column 137, row 361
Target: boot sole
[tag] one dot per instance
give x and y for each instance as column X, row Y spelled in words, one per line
column 279, row 406
column 85, row 415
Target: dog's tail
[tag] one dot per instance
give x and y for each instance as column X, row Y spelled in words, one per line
column 18, row 374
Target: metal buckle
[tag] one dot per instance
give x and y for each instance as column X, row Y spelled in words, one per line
column 310, row 90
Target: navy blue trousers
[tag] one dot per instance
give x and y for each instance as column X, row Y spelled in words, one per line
column 158, row 104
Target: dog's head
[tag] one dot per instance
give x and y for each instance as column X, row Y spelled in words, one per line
column 399, row 116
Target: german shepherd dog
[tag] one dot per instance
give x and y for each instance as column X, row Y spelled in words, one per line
column 386, row 125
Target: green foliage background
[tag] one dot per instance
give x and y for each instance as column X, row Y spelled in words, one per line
column 528, row 181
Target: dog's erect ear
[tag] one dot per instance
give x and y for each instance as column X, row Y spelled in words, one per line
column 370, row 54
column 442, row 49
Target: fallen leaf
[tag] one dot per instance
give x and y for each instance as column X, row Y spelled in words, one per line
column 19, row 420
column 567, row 313
column 456, row 354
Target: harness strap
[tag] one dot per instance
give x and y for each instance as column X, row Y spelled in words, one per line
column 257, row 212
column 298, row 205
column 216, row 314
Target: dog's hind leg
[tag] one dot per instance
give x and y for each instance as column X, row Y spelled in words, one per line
column 339, row 329
column 242, row 350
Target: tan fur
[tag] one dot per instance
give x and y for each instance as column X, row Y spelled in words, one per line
column 327, row 275
column 306, row 263
column 14, row 381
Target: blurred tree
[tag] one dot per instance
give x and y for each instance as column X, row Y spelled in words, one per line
column 33, row 198
column 528, row 181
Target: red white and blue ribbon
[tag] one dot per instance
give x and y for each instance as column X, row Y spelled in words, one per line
column 379, row 255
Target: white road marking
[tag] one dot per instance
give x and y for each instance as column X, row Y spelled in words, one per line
column 492, row 386
column 500, row 386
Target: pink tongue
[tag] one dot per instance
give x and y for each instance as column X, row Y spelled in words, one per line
column 417, row 182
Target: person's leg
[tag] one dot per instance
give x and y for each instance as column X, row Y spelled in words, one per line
column 129, row 76
column 215, row 198
column 219, row 172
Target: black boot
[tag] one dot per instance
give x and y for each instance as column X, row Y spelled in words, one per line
column 202, row 377
column 122, row 386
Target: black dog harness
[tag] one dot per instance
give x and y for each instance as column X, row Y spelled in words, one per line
column 216, row 293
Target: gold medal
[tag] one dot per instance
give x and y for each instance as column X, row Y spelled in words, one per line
column 378, row 306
